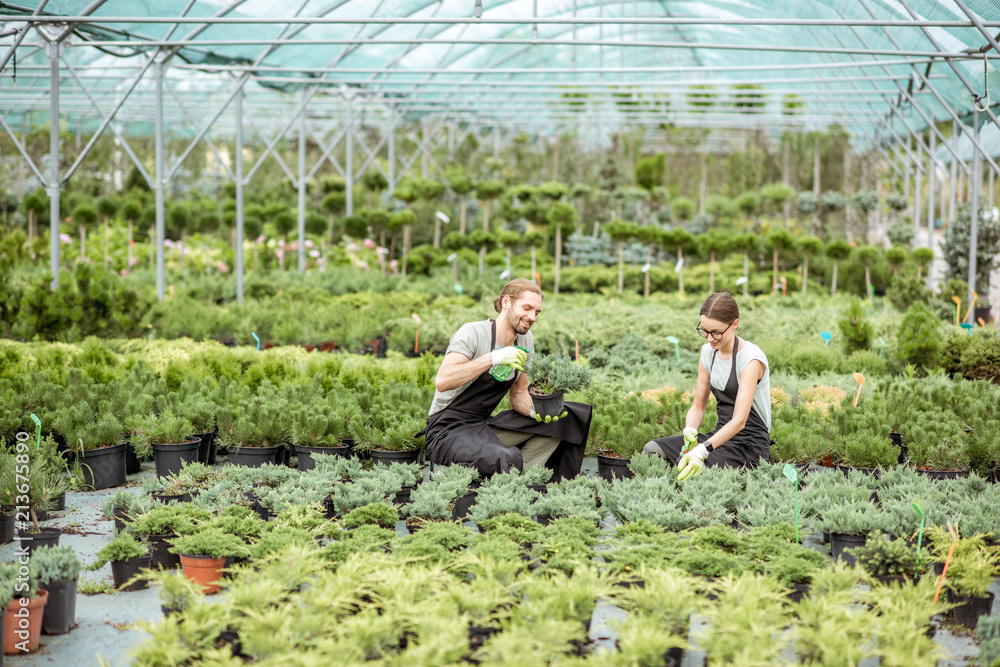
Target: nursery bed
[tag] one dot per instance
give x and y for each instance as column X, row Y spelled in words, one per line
column 104, row 621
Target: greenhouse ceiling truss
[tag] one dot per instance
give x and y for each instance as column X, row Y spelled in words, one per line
column 892, row 73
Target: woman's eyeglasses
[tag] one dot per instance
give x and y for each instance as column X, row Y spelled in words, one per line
column 714, row 335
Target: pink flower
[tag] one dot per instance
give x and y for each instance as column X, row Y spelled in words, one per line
column 363, row 265
column 133, row 261
column 394, row 265
column 310, row 244
column 382, row 251
column 65, row 238
column 124, row 272
column 260, row 239
column 222, row 267
column 314, row 254
column 279, row 253
column 370, row 244
column 352, row 247
column 168, row 243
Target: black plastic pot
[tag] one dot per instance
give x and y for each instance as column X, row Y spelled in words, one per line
column 798, row 592
column 402, row 497
column 610, row 468
column 839, row 542
column 159, row 550
column 969, row 609
column 875, row 472
column 673, row 657
column 548, row 405
column 904, row 451
column 133, row 466
column 253, row 457
column 171, row 457
column 59, row 503
column 206, row 447
column 123, row 570
column 984, row 312
column 388, row 458
column 305, row 454
column 60, row 610
column 7, row 522
column 943, row 474
column 167, row 498
column 283, row 457
column 49, row 537
column 232, row 638
column 103, row 468
column 463, row 505
column 120, row 518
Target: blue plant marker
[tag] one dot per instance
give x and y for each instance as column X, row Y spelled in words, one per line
column 967, row 327
column 677, row 349
column 920, row 535
column 826, row 336
column 793, row 476
column 881, row 342
column 254, row 334
column 38, row 423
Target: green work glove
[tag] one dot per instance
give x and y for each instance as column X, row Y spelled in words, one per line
column 690, row 438
column 692, row 463
column 511, row 356
column 548, row 419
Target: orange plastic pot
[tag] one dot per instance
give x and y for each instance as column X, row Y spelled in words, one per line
column 204, row 571
column 18, row 629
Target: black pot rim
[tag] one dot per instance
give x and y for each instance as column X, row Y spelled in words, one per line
column 176, row 445
column 101, row 451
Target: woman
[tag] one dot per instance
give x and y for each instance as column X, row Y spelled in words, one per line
column 736, row 372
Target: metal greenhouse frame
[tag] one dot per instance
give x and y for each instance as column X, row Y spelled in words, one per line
column 888, row 71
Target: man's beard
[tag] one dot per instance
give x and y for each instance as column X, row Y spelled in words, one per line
column 515, row 323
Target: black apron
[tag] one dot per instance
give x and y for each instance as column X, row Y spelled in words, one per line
column 746, row 448
column 461, row 433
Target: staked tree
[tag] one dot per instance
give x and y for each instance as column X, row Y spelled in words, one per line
column 461, row 184
column 563, row 217
column 838, row 251
column 84, row 215
column 486, row 192
column 431, row 191
column 533, row 239
column 482, row 240
column 779, row 241
column 620, row 232
column 809, row 245
column 453, row 242
column 131, row 211
column 508, row 239
column 404, row 219
column 678, row 240
column 652, row 236
column 712, row 243
column 923, row 258
column 107, row 206
column 747, row 243
column 868, row 255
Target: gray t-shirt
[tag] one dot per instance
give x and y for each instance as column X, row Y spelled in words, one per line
column 473, row 340
column 720, row 374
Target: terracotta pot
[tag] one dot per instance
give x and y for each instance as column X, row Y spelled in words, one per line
column 11, row 624
column 204, row 571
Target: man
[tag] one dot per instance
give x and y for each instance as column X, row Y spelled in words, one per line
column 460, row 425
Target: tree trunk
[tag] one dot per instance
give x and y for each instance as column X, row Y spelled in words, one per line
column 454, row 270
column 508, row 262
column 774, row 280
column 482, row 261
column 329, row 228
column 555, row 161
column 83, row 242
column 805, row 273
column 680, row 274
column 833, row 287
column 461, row 216
column 31, row 234
column 128, row 261
column 183, row 239
column 621, row 266
column 152, row 245
column 437, row 232
column 649, row 260
column 322, row 255
column 920, row 270
column 406, row 245
column 711, row 272
column 868, row 281
column 558, row 257
column 746, row 272
column 256, row 255
column 486, row 215
column 534, row 272
column 107, row 253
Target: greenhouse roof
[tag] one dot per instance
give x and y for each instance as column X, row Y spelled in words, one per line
column 882, row 69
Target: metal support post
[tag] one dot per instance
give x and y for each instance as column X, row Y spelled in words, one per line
column 159, row 184
column 918, row 196
column 906, row 183
column 931, row 173
column 302, row 188
column 974, row 182
column 496, row 142
column 424, row 157
column 953, row 187
column 238, row 122
column 54, row 180
column 392, row 157
column 349, row 159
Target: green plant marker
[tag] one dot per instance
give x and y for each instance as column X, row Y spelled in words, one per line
column 793, row 476
column 967, row 327
column 503, row 371
column 920, row 534
column 38, row 423
column 254, row 334
column 871, row 292
column 826, row 336
column 677, row 349
column 885, row 353
column 458, row 289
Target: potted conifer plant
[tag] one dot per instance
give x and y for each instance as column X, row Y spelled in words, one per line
column 550, row 377
column 127, row 556
column 57, row 570
column 317, row 430
column 18, row 639
column 168, row 437
column 99, row 443
column 203, row 556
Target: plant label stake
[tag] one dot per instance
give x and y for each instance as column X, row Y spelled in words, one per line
column 860, row 379
column 679, row 265
column 416, row 343
column 442, row 217
column 885, row 353
column 256, row 338
column 38, row 423
column 793, row 476
column 741, row 280
column 646, row 267
column 576, row 359
column 975, row 298
column 920, row 533
column 677, row 348
column 826, row 336
column 505, row 274
column 452, row 257
column 967, row 327
column 951, row 552
column 958, row 307
column 458, row 289
column 981, row 323
column 784, row 286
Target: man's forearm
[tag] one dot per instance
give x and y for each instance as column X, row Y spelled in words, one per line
column 453, row 376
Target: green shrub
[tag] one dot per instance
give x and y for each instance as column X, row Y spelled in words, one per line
column 54, row 564
column 856, row 329
column 379, row 514
column 905, row 290
column 815, row 361
column 981, row 359
column 123, row 547
column 866, row 362
column 919, row 337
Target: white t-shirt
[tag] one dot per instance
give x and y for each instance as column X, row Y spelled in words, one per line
column 720, row 374
column 473, row 340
